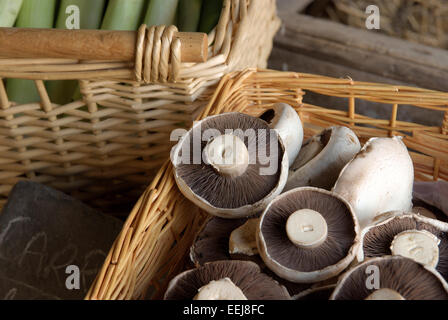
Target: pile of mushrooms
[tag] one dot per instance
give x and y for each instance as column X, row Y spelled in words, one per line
column 309, row 228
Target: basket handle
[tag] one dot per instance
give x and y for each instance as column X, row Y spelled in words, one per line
column 91, row 44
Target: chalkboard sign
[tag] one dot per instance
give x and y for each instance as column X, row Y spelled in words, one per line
column 42, row 233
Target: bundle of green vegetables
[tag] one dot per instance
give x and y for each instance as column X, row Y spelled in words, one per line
column 188, row 15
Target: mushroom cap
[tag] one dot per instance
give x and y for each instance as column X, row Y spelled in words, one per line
column 319, row 293
column 307, row 265
column 340, row 145
column 244, row 274
column 232, row 197
column 379, row 179
column 283, row 118
column 376, row 239
column 408, row 278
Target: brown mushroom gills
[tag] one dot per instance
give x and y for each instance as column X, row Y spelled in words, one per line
column 223, row 191
column 316, row 294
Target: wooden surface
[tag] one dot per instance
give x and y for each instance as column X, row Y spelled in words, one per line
column 89, row 44
column 362, row 50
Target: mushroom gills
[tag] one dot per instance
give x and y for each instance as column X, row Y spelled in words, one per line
column 222, row 289
column 316, row 293
column 242, row 240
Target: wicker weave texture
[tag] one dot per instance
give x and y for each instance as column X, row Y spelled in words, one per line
column 106, row 147
column 154, row 243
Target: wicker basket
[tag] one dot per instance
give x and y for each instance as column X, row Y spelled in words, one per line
column 105, row 148
column 152, row 246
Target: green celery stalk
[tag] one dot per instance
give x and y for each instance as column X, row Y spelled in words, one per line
column 124, row 14
column 189, row 14
column 161, row 12
column 9, row 10
column 211, row 11
column 33, row 14
column 91, row 14
column 36, row 14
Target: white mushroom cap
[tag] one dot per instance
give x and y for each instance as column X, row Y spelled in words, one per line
column 379, row 179
column 320, row 164
column 289, row 126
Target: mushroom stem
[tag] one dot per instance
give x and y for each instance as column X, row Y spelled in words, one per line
column 306, row 228
column 385, row 294
column 418, row 245
column 243, row 239
column 223, row 289
column 227, row 154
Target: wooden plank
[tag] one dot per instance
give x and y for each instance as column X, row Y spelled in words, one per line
column 367, row 40
column 364, row 50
